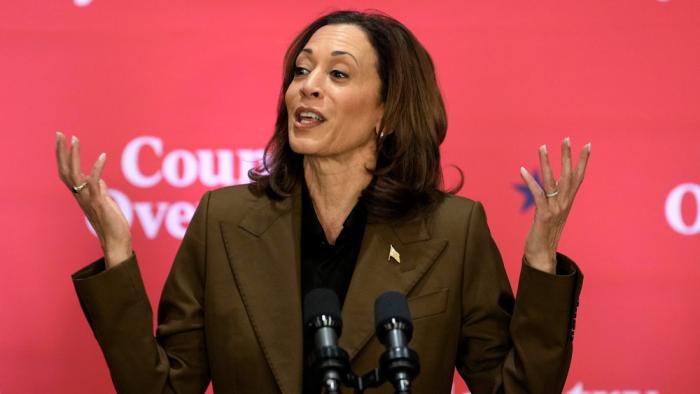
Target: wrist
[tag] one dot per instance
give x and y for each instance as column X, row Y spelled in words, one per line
column 116, row 256
column 546, row 263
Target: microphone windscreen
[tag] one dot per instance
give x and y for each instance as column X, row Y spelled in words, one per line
column 390, row 305
column 321, row 301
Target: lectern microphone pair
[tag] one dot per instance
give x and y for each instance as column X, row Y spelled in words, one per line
column 330, row 363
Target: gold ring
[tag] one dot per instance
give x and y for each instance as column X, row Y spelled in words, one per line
column 550, row 195
column 77, row 189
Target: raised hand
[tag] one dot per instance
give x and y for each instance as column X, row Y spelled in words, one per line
column 552, row 205
column 91, row 193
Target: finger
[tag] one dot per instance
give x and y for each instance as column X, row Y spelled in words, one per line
column 550, row 185
column 61, row 156
column 99, row 165
column 75, row 160
column 566, row 159
column 104, row 190
column 582, row 163
column 535, row 189
column 95, row 174
column 103, row 187
column 565, row 181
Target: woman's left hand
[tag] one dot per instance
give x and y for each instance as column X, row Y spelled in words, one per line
column 552, row 205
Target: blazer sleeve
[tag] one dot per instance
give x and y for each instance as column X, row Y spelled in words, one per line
column 116, row 306
column 509, row 345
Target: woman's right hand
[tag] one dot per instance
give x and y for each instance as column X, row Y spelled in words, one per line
column 104, row 214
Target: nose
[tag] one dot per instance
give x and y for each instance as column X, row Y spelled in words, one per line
column 311, row 87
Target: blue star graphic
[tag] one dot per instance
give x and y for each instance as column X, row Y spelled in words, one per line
column 522, row 188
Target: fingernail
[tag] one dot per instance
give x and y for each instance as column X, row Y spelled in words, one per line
column 567, row 141
column 58, row 135
column 74, row 140
column 102, row 156
column 543, row 149
column 523, row 170
column 588, row 147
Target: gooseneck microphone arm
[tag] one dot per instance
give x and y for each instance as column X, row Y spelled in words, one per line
column 394, row 328
column 329, row 363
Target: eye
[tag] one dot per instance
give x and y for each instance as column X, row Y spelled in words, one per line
column 338, row 74
column 300, row 71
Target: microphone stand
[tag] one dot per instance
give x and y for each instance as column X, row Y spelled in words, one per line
column 331, row 362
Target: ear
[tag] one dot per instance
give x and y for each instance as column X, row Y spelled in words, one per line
column 379, row 126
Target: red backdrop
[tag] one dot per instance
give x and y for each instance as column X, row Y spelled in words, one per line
column 169, row 88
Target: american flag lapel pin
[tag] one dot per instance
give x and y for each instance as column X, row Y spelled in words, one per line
column 393, row 254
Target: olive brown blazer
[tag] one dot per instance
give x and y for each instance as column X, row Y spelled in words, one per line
column 230, row 311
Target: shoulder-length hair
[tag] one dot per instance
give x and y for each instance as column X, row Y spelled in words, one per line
column 407, row 180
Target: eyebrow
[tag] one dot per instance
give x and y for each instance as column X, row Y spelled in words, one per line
column 334, row 53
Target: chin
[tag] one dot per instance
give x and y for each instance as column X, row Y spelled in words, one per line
column 309, row 141
column 303, row 146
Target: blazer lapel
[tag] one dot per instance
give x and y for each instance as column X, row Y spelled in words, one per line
column 375, row 272
column 265, row 257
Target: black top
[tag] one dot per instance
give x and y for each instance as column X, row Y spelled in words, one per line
column 326, row 265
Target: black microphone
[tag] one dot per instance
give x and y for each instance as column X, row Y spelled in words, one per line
column 328, row 362
column 394, row 329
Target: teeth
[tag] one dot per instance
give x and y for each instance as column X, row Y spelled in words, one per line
column 309, row 114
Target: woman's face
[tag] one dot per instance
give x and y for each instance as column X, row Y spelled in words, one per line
column 333, row 101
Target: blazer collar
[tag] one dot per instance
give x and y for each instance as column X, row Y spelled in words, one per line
column 264, row 252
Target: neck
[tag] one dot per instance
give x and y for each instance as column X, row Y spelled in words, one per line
column 335, row 185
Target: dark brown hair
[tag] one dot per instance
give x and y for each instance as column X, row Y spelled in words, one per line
column 408, row 178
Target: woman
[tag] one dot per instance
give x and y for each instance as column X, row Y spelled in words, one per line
column 349, row 198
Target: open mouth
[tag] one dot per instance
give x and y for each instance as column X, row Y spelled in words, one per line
column 307, row 117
